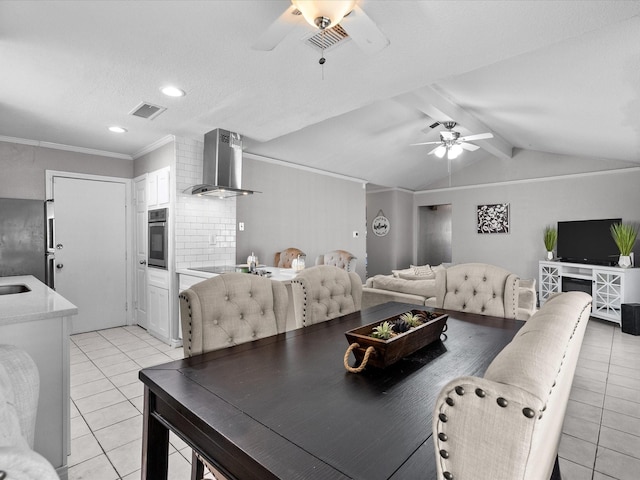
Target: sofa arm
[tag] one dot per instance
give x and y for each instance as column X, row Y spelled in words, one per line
column 375, row 296
column 483, row 430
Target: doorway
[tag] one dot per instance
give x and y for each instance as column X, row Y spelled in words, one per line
column 434, row 234
column 91, row 249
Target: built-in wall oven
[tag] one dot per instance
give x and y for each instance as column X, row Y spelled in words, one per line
column 158, row 252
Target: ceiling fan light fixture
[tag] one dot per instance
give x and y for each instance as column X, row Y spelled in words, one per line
column 454, row 151
column 440, row 151
column 324, row 14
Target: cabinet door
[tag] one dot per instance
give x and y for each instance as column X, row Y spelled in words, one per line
column 607, row 294
column 163, row 187
column 549, row 281
column 158, row 311
column 152, row 190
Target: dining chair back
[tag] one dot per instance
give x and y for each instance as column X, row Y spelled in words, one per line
column 324, row 292
column 284, row 258
column 338, row 258
column 230, row 309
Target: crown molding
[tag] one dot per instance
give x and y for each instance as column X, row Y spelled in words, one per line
column 68, row 148
column 153, row 146
column 282, row 163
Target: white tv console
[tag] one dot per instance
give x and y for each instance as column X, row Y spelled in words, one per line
column 610, row 286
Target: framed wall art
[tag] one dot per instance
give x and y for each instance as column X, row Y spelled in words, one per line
column 493, row 218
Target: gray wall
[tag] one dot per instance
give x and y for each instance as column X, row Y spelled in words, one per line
column 394, row 250
column 24, row 166
column 533, row 205
column 161, row 157
column 314, row 212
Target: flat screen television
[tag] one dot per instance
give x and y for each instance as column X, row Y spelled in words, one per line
column 587, row 241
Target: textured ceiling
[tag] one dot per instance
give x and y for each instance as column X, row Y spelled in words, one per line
column 555, row 76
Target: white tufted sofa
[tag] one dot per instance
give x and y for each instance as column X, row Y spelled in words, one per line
column 338, row 258
column 389, row 288
column 507, row 425
column 230, row 309
column 19, row 392
column 324, row 292
column 478, row 288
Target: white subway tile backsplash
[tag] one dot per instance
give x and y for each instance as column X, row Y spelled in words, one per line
column 198, row 218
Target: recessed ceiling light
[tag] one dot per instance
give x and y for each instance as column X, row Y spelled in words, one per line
column 172, row 91
column 116, row 129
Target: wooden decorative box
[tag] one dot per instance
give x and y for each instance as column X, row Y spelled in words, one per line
column 401, row 345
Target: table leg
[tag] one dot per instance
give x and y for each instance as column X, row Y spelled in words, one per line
column 155, row 442
column 197, row 467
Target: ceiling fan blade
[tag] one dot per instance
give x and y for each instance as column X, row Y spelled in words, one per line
column 364, row 31
column 426, row 143
column 278, row 30
column 479, row 136
column 469, row 146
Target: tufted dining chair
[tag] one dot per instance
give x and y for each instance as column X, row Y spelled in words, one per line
column 324, row 292
column 284, row 258
column 338, row 258
column 227, row 310
column 478, row 288
column 230, row 309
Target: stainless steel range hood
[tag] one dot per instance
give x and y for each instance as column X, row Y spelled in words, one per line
column 222, row 166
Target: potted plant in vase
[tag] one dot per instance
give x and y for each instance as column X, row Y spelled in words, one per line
column 550, row 239
column 624, row 234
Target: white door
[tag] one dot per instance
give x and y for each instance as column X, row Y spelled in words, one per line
column 141, row 222
column 91, row 250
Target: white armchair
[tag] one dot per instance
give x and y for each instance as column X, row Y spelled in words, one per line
column 19, row 392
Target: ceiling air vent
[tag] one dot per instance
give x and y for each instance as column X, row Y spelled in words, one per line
column 330, row 38
column 434, row 125
column 147, row 110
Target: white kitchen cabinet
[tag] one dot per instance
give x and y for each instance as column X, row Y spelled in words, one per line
column 609, row 287
column 158, row 304
column 158, row 188
column 39, row 322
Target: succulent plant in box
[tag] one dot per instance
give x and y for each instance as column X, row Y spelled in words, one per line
column 412, row 319
column 383, row 331
column 400, row 325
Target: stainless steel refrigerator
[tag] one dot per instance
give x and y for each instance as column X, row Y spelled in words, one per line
column 26, row 238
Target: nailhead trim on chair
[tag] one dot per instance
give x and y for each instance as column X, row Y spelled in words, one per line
column 501, row 401
column 186, row 299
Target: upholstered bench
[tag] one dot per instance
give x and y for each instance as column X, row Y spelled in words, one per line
column 507, row 425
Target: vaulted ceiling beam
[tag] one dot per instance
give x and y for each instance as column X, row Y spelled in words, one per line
column 432, row 103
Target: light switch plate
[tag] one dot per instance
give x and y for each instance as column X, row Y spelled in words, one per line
column 241, row 226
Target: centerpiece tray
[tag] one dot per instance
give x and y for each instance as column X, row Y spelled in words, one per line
column 400, row 345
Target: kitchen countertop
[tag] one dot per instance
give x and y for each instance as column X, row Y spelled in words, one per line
column 280, row 274
column 38, row 304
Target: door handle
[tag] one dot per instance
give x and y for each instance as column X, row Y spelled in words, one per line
column 59, row 246
column 59, row 266
column 143, row 262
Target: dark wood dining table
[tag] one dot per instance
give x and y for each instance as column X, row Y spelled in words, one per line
column 284, row 407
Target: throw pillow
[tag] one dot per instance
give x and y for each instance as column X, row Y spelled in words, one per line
column 423, row 271
column 406, row 271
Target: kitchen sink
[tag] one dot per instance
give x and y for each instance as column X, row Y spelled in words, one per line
column 11, row 289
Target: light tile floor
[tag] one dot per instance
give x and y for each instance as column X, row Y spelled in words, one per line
column 107, row 403
column 601, row 435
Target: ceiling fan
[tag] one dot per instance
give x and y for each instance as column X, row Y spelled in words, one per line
column 325, row 15
column 452, row 143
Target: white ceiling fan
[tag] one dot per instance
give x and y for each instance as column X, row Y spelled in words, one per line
column 325, row 15
column 452, row 143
